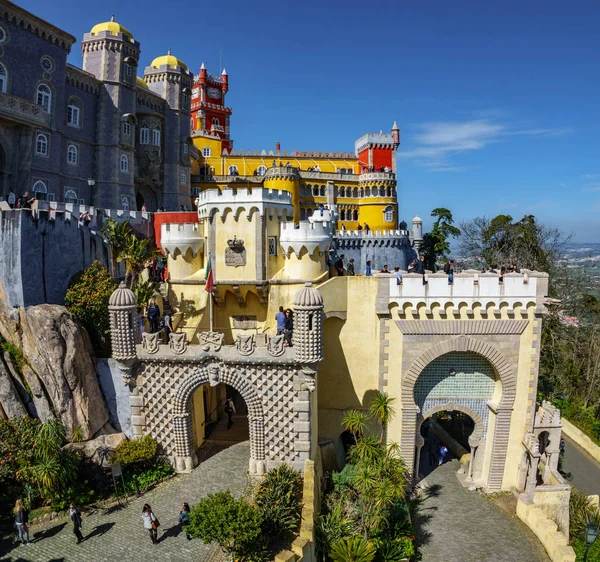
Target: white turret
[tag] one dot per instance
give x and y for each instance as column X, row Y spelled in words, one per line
column 417, row 231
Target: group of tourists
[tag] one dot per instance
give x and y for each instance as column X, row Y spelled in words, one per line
column 24, row 201
column 285, row 325
column 155, row 322
column 157, row 269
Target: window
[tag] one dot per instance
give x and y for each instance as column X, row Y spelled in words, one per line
column 124, row 163
column 261, row 171
column 272, row 245
column 144, row 135
column 156, row 137
column 315, row 190
column 3, row 79
column 183, row 178
column 206, row 151
column 184, row 97
column 41, row 145
column 40, row 190
column 192, row 125
column 388, row 214
column 195, row 93
column 186, row 148
column 215, row 122
column 125, row 203
column 355, row 217
column 342, row 215
column 72, row 157
column 233, row 170
column 2, row 35
column 73, row 112
column 126, row 128
column 47, row 64
column 70, row 195
column 44, row 97
column 128, row 69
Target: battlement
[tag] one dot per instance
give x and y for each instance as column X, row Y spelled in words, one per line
column 547, row 415
column 282, row 172
column 471, row 289
column 387, row 178
column 362, row 234
column 235, row 200
column 373, row 139
column 306, row 234
column 181, row 238
column 290, row 154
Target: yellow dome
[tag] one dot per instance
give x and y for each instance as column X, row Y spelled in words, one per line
column 168, row 60
column 113, row 27
column 141, row 83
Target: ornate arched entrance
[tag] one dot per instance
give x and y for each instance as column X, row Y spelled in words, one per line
column 214, row 373
column 489, row 396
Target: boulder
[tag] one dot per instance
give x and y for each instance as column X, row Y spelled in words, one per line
column 9, row 396
column 93, row 449
column 43, row 411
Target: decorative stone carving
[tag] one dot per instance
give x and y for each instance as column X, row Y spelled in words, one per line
column 275, row 345
column 245, row 344
column 242, row 322
column 178, row 342
column 211, row 341
column 235, row 254
column 214, row 374
column 150, row 342
column 307, row 384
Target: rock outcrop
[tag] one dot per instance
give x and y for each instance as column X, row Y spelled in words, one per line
column 60, row 375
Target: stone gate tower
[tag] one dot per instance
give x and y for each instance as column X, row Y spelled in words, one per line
column 308, row 325
column 122, row 309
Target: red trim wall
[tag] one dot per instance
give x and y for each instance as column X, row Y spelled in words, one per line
column 179, row 217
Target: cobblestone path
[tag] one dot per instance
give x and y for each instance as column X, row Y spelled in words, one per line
column 456, row 525
column 119, row 535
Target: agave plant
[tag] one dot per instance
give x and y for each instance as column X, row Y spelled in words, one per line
column 355, row 422
column 355, row 549
column 381, row 409
column 331, row 528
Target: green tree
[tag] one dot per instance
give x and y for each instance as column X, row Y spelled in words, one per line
column 234, row 524
column 436, row 245
column 382, row 410
column 355, row 422
column 116, row 235
column 87, row 300
column 144, row 291
column 135, row 254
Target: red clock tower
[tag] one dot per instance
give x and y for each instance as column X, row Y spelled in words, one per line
column 377, row 151
column 210, row 116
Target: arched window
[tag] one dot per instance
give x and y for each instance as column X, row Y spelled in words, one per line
column 2, row 35
column 3, row 79
column 389, row 191
column 73, row 113
column 342, row 215
column 40, row 190
column 233, row 170
column 144, row 135
column 124, row 163
column 72, row 156
column 125, row 203
column 355, row 192
column 261, row 170
column 126, row 128
column 183, row 178
column 388, row 214
column 355, row 217
column 70, row 196
column 44, row 97
column 41, row 145
column 156, row 137
column 322, row 191
column 374, row 191
column 215, row 122
column 315, row 190
column 192, row 125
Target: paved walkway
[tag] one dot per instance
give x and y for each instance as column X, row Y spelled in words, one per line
column 456, row 525
column 579, row 469
column 119, row 535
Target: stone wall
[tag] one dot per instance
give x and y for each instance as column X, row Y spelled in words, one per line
column 116, row 395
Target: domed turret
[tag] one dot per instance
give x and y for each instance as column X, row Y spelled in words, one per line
column 308, row 325
column 122, row 308
column 168, row 60
column 112, row 27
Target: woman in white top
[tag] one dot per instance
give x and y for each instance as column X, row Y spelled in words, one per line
column 150, row 522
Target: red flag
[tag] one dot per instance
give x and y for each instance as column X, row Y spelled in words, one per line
column 210, row 281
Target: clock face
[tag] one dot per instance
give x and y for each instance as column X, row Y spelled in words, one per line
column 213, row 93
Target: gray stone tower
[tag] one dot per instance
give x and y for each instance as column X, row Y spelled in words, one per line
column 308, row 325
column 122, row 308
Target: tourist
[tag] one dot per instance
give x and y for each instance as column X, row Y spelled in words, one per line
column 184, row 518
column 359, row 227
column 274, row 163
column 350, row 268
column 21, row 520
column 561, row 447
column 502, row 272
column 492, row 270
column 398, row 274
column 151, row 523
column 514, row 268
column 384, row 269
column 76, row 518
column 442, row 455
column 167, row 327
column 229, row 410
column 343, row 227
column 144, row 207
column 420, row 267
column 412, row 266
column 161, row 263
column 367, row 228
column 25, row 201
column 11, row 199
column 449, row 271
column 280, row 319
column 288, row 329
column 339, row 265
column 153, row 316
column 368, row 270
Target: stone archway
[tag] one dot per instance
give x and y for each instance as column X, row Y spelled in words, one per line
column 501, row 410
column 213, row 374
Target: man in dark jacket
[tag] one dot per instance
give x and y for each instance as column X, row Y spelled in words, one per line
column 153, row 316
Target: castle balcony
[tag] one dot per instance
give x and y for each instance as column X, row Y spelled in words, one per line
column 282, row 172
column 19, row 110
column 362, row 234
column 181, row 238
column 472, row 289
column 231, row 199
column 211, row 178
column 385, row 178
column 324, row 176
column 309, row 235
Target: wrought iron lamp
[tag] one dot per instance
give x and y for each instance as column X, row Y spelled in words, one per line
column 591, row 534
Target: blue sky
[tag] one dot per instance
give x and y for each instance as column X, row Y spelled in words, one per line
column 497, row 102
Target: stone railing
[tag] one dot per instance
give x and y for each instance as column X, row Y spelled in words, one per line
column 282, row 172
column 472, row 289
column 304, row 174
column 385, row 177
column 23, row 111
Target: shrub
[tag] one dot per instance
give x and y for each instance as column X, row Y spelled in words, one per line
column 331, row 528
column 235, row 525
column 17, row 440
column 394, row 550
column 355, row 549
column 146, row 478
column 140, row 450
column 87, row 300
column 279, row 497
column 344, row 481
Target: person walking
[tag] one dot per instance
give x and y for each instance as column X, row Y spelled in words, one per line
column 229, row 410
column 184, row 519
column 398, row 275
column 288, row 329
column 442, row 455
column 153, row 316
column 280, row 319
column 21, row 521
column 350, row 268
column 77, row 523
column 151, row 523
column 161, row 263
column 168, row 327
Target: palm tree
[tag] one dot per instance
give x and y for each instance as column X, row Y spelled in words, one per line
column 135, row 254
column 116, row 235
column 382, row 410
column 355, row 422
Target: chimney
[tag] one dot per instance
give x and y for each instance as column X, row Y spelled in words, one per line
column 278, row 147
